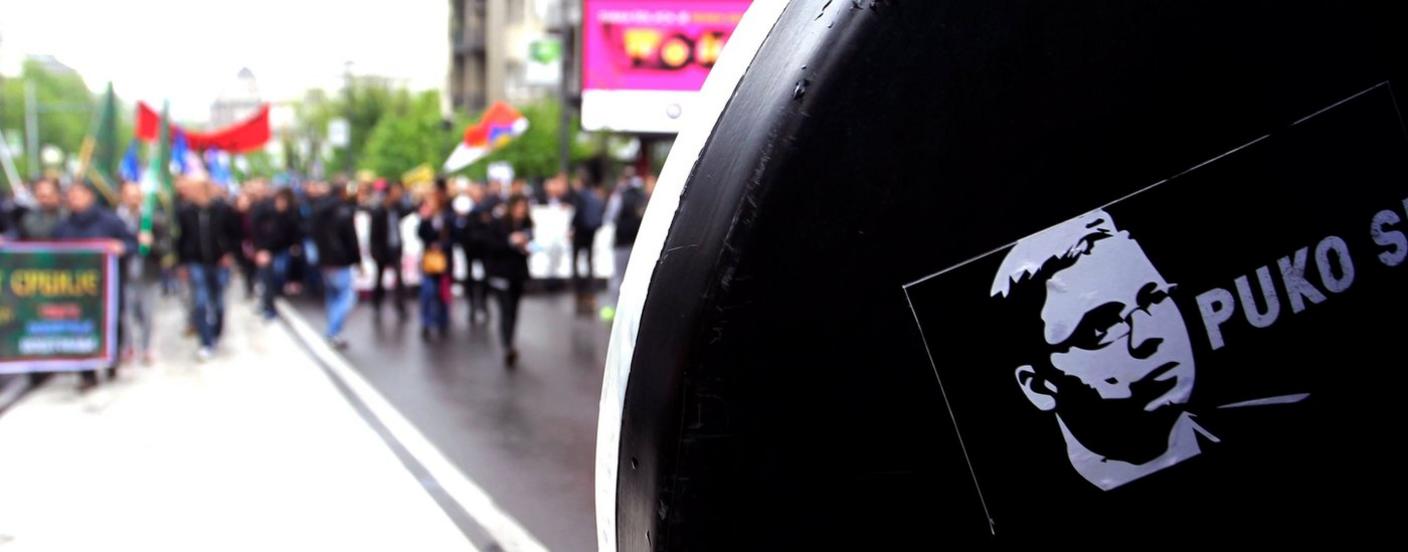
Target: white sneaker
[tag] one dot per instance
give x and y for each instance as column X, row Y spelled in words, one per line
column 204, row 354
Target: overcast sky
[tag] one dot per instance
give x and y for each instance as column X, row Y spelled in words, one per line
column 189, row 51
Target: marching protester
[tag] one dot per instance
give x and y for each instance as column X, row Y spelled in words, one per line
column 461, row 239
column 276, row 230
column 508, row 245
column 553, row 198
column 436, row 225
column 386, row 245
column 142, row 271
column 519, row 187
column 245, row 204
column 86, row 221
column 303, row 271
column 176, row 271
column 208, row 239
column 587, row 213
column 9, row 213
column 39, row 223
column 493, row 196
column 339, row 254
column 473, row 230
column 626, row 209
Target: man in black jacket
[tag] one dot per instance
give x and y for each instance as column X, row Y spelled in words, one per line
column 335, row 235
column 626, row 210
column 386, row 243
column 277, row 229
column 587, row 214
column 87, row 221
column 471, row 229
column 208, row 239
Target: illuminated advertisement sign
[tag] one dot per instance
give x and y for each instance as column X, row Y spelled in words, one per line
column 644, row 60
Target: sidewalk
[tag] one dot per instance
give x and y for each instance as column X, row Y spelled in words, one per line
column 254, row 450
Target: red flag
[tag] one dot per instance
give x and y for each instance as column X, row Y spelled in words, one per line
column 250, row 134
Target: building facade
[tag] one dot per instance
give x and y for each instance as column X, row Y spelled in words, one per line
column 237, row 101
column 490, row 43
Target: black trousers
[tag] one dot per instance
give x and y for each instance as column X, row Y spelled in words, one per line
column 509, row 298
column 582, row 245
column 379, row 285
column 90, row 377
column 250, row 272
column 474, row 289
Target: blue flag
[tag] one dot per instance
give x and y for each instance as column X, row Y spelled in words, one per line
column 179, row 151
column 131, row 168
column 218, row 163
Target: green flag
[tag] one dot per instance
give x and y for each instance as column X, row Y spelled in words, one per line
column 106, row 157
column 156, row 181
column 98, row 157
column 163, row 155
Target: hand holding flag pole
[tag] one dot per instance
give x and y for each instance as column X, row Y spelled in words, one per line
column 158, row 175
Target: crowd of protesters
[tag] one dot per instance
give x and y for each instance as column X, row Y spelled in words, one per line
column 303, row 239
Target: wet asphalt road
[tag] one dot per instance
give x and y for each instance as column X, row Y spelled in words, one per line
column 527, row 435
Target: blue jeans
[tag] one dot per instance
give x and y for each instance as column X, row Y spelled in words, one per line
column 208, row 290
column 340, row 297
column 432, row 305
column 312, row 277
column 273, row 278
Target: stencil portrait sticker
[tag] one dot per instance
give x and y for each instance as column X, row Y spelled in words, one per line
column 1222, row 343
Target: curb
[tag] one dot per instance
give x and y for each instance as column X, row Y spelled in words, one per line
column 504, row 532
column 13, row 390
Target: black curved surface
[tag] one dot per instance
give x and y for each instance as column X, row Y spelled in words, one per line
column 780, row 396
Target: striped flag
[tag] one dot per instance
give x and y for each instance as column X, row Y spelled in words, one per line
column 501, row 124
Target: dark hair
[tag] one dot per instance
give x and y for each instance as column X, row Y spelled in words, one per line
column 1023, row 303
column 512, row 202
column 285, row 194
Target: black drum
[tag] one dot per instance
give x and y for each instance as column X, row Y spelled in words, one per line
column 986, row 272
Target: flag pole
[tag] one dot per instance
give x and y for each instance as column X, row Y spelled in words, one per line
column 12, row 175
column 85, row 156
column 157, row 174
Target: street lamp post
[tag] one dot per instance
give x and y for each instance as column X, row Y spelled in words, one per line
column 564, row 87
column 31, row 127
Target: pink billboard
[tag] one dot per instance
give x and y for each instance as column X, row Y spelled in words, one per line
column 666, row 45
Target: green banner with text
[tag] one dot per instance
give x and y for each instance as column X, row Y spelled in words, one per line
column 58, row 306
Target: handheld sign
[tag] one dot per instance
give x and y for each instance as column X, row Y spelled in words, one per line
column 58, row 306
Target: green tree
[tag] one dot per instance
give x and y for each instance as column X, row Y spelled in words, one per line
column 535, row 153
column 258, row 164
column 363, row 103
column 66, row 108
column 411, row 134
